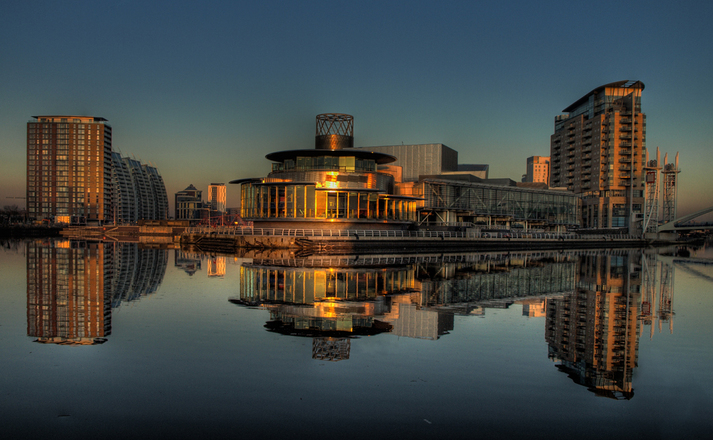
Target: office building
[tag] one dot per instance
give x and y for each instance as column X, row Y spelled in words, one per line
column 217, row 196
column 138, row 191
column 189, row 204
column 597, row 152
column 69, row 169
column 538, row 170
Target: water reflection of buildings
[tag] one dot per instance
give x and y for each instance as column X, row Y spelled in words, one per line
column 216, row 266
column 138, row 271
column 72, row 285
column 593, row 331
column 190, row 262
column 68, row 292
column 657, row 293
column 470, row 282
column 341, row 297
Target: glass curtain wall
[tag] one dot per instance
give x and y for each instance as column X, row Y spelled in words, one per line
column 308, row 202
column 502, row 201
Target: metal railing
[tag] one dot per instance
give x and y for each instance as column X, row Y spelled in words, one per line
column 227, row 231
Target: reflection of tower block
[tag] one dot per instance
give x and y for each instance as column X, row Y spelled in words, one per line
column 216, row 267
column 669, row 183
column 331, row 349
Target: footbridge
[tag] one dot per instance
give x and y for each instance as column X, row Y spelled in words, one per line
column 680, row 223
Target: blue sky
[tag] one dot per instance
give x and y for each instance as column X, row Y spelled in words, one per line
column 203, row 90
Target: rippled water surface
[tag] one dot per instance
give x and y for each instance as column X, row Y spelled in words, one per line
column 120, row 339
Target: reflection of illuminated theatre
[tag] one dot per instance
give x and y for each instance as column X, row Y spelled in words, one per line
column 305, row 285
column 334, row 183
column 321, row 301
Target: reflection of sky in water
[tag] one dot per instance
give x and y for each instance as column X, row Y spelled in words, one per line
column 184, row 361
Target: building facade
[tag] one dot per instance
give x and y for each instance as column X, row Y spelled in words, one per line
column 69, row 169
column 597, row 152
column 498, row 203
column 538, row 170
column 420, row 159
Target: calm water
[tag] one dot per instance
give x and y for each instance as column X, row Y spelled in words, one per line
column 118, row 340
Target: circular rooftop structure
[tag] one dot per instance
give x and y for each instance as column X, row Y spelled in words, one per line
column 379, row 158
column 335, row 131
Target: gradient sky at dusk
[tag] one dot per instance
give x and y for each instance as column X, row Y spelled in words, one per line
column 203, row 90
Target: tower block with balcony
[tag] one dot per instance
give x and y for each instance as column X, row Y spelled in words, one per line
column 597, row 151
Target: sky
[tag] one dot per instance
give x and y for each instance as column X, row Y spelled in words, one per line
column 204, row 90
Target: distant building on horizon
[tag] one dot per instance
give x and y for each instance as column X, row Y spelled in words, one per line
column 217, row 197
column 597, row 152
column 189, row 204
column 69, row 167
column 538, row 170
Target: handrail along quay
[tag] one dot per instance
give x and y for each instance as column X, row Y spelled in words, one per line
column 360, row 239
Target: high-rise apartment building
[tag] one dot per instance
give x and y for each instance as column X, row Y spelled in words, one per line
column 138, row 191
column 217, row 196
column 597, row 151
column 69, row 169
column 538, row 170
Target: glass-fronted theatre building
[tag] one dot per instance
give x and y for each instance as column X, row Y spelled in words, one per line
column 334, row 183
column 338, row 186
